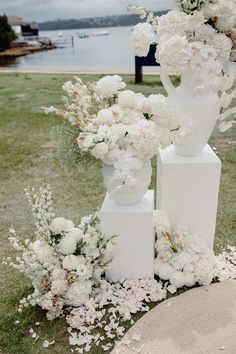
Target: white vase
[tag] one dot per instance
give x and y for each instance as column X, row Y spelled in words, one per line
column 134, row 195
column 190, row 108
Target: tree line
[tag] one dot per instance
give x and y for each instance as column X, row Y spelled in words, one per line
column 7, row 35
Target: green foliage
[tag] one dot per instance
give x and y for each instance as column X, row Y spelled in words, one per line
column 7, row 35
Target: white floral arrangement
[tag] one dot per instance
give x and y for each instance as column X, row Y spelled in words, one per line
column 182, row 259
column 119, row 127
column 192, row 44
column 66, row 264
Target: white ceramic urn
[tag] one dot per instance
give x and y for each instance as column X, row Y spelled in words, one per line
column 120, row 193
column 195, row 110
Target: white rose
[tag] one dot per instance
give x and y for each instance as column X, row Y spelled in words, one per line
column 71, row 262
column 60, row 225
column 100, row 151
column 76, row 233
column 67, row 245
column 127, row 98
column 109, row 86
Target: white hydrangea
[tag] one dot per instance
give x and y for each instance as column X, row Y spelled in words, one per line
column 182, row 259
column 128, row 99
column 142, row 37
column 224, row 11
column 109, row 85
column 174, row 55
column 144, row 138
column 60, row 225
column 171, row 24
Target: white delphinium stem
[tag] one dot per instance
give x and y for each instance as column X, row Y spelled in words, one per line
column 144, row 14
column 42, row 209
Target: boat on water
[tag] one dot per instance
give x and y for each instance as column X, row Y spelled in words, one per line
column 33, row 43
column 82, row 35
column 100, row 33
column 60, row 34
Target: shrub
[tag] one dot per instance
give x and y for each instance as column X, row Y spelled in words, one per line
column 7, row 35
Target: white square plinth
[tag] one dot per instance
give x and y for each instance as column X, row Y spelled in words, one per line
column 134, row 251
column 187, row 190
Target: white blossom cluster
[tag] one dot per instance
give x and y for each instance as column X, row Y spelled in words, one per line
column 65, row 267
column 121, row 128
column 42, row 209
column 192, row 44
column 142, row 37
column 182, row 259
column 67, row 276
column 189, row 44
column 143, row 14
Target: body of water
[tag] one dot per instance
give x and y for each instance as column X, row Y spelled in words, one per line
column 111, row 53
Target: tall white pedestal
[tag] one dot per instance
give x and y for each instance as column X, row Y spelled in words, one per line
column 133, row 226
column 187, row 190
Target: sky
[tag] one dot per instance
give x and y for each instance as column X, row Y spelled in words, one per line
column 43, row 10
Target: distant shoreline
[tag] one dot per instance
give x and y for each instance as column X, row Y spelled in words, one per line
column 16, row 52
column 121, row 20
column 73, row 72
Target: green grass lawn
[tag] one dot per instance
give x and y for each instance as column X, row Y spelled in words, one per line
column 26, row 159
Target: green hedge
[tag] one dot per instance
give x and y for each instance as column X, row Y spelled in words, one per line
column 7, row 35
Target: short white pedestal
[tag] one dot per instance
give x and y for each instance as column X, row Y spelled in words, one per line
column 187, row 190
column 133, row 226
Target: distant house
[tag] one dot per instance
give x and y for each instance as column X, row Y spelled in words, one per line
column 23, row 28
